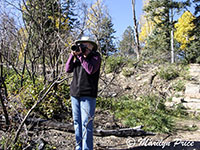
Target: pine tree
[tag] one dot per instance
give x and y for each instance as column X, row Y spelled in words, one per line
column 192, row 55
column 100, row 25
column 159, row 12
column 126, row 45
column 107, row 36
column 196, row 21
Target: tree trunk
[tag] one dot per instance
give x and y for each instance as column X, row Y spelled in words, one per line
column 135, row 28
column 1, row 95
column 43, row 64
column 172, row 47
column 172, row 38
column 168, row 31
column 4, row 109
column 24, row 67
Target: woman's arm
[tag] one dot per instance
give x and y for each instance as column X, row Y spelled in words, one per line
column 91, row 65
column 70, row 64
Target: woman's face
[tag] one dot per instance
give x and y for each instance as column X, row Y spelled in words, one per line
column 88, row 49
column 88, row 45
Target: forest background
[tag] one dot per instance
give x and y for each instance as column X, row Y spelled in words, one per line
column 35, row 41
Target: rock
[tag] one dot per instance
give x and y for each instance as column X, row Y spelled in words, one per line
column 138, row 78
column 169, row 104
column 192, row 100
column 191, row 96
column 177, row 99
column 192, row 90
column 194, row 70
column 193, row 106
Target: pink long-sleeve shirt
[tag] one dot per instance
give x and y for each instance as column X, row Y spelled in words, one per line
column 90, row 65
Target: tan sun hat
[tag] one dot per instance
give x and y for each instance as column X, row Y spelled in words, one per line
column 87, row 39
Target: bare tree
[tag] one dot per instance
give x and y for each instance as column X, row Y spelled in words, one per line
column 135, row 28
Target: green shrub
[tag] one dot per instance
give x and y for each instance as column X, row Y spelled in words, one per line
column 149, row 111
column 105, row 103
column 53, row 104
column 184, row 72
column 179, row 85
column 169, row 72
column 6, row 142
column 127, row 72
column 179, row 111
column 113, row 63
column 13, row 81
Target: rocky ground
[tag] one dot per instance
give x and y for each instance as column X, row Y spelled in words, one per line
column 65, row 141
column 186, row 136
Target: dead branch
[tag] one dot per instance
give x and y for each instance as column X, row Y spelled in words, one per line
column 10, row 63
column 68, row 127
column 36, row 104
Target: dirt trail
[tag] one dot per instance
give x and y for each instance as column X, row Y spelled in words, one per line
column 182, row 139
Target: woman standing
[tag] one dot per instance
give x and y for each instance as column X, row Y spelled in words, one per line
column 84, row 61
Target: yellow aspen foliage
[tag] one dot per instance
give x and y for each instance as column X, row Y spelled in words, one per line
column 146, row 30
column 23, row 34
column 60, row 23
column 183, row 27
column 147, row 23
column 24, row 8
column 60, row 20
column 95, row 15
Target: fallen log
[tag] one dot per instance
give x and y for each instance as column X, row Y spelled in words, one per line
column 123, row 132
column 68, row 127
column 50, row 124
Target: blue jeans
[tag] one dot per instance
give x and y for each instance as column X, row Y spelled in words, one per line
column 83, row 109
